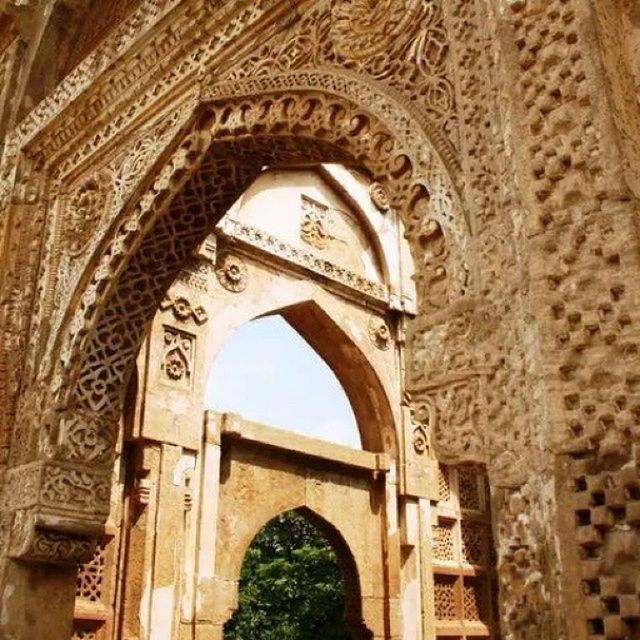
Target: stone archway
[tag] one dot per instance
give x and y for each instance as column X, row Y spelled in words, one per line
column 347, row 564
column 65, row 448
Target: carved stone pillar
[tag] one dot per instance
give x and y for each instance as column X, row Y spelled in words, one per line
column 58, row 502
column 54, row 503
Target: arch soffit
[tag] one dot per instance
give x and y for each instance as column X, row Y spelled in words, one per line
column 340, row 112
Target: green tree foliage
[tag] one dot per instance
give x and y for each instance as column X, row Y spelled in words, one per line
column 291, row 587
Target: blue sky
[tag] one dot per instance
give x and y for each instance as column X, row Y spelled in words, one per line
column 266, row 372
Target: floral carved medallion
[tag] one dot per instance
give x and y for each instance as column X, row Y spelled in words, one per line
column 379, row 333
column 232, row 272
column 177, row 362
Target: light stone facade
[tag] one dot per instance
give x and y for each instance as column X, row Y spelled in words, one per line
column 497, row 390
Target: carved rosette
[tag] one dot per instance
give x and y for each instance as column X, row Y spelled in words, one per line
column 379, row 333
column 177, row 361
column 232, row 272
column 379, row 197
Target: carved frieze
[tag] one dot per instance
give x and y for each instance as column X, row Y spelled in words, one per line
column 306, row 259
column 59, row 491
column 75, row 490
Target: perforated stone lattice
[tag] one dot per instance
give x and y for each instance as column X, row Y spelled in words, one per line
column 91, row 575
column 464, row 566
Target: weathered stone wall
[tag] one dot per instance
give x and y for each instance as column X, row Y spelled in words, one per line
column 522, row 222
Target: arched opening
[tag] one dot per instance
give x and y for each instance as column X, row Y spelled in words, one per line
column 298, row 581
column 266, row 372
column 171, row 212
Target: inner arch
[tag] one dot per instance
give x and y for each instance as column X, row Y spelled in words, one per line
column 298, row 580
column 268, row 373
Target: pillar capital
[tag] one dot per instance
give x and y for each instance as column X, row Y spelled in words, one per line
column 54, row 506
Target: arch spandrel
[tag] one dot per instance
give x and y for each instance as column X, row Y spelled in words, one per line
column 175, row 207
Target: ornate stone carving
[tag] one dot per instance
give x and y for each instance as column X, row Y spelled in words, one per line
column 379, row 197
column 403, row 44
column 75, row 491
column 87, row 437
column 177, row 361
column 456, row 420
column 183, row 310
column 195, row 274
column 259, row 239
column 379, row 333
column 434, row 262
column 29, row 542
column 363, row 30
column 232, row 272
column 420, row 440
column 86, row 207
column 314, row 226
column 91, row 575
column 422, row 418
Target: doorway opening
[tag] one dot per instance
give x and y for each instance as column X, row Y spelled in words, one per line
column 292, row 585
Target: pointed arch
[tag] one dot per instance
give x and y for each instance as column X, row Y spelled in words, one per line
column 354, row 615
column 297, row 118
column 268, row 373
column 361, row 382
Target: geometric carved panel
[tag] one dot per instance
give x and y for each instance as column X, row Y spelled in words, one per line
column 447, row 601
column 468, row 488
column 444, row 484
column 463, row 562
column 443, row 542
column 91, row 575
column 475, row 542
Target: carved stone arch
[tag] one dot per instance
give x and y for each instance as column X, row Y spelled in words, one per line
column 231, row 139
column 367, row 393
column 354, row 614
